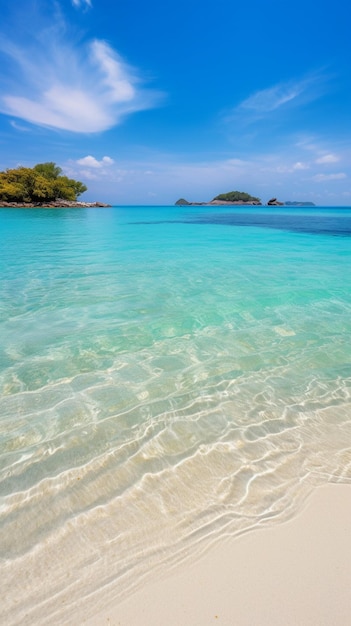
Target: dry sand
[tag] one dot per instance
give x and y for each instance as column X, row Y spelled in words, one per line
column 296, row 573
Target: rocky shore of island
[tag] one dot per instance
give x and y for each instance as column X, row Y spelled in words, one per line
column 220, row 203
column 55, row 204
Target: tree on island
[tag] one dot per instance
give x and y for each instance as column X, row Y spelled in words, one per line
column 182, row 202
column 42, row 183
column 236, row 196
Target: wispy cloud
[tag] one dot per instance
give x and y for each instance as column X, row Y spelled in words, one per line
column 23, row 129
column 274, row 97
column 59, row 83
column 283, row 95
column 321, row 178
column 328, row 158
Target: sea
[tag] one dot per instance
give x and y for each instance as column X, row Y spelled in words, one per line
column 170, row 377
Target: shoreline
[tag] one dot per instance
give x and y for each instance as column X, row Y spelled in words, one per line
column 294, row 573
column 59, row 204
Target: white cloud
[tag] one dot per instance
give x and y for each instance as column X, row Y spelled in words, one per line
column 79, row 3
column 300, row 166
column 106, row 160
column 328, row 158
column 321, row 178
column 116, row 77
column 90, row 161
column 80, row 88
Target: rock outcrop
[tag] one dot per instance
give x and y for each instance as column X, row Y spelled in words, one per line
column 274, row 202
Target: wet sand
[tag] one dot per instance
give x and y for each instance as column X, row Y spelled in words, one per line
column 297, row 573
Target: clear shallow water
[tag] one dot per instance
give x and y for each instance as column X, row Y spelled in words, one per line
column 168, row 376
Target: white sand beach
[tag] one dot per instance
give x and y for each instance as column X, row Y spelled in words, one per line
column 297, row 573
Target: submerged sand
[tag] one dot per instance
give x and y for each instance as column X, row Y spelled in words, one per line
column 297, row 573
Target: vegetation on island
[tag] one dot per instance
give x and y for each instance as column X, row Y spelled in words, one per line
column 182, row 202
column 42, row 183
column 236, row 196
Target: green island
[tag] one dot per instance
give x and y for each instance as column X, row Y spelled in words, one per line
column 232, row 197
column 41, row 185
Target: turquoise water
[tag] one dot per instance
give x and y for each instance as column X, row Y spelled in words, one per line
column 168, row 376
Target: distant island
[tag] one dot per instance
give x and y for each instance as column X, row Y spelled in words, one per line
column 240, row 198
column 43, row 185
column 295, row 203
column 232, row 197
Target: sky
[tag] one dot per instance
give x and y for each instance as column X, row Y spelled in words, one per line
column 149, row 102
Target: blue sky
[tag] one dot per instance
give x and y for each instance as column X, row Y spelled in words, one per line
column 146, row 102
